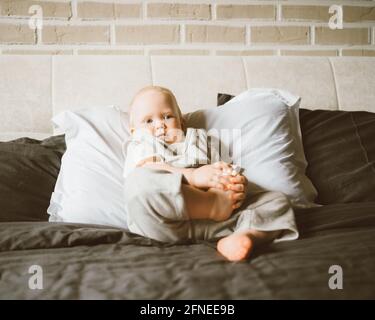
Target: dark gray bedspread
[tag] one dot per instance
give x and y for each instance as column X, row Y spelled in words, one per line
column 96, row 262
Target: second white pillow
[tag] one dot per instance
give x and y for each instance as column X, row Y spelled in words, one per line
column 260, row 128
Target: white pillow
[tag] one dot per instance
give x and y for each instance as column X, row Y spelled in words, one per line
column 268, row 144
column 89, row 186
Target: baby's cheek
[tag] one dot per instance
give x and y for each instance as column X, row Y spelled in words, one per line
column 176, row 134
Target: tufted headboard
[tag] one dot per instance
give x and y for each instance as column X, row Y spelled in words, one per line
column 33, row 88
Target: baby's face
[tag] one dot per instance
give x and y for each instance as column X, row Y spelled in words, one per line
column 153, row 112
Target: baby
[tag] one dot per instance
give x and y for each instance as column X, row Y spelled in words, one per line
column 171, row 196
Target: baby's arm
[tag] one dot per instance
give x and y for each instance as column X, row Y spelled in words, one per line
column 187, row 172
column 207, row 176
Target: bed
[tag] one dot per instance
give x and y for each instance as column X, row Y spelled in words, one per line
column 84, row 261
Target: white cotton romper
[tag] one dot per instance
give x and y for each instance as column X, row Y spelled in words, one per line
column 156, row 207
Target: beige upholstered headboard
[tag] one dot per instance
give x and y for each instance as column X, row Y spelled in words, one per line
column 34, row 88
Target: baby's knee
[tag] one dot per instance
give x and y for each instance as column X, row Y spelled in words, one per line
column 136, row 176
column 154, row 215
column 138, row 183
column 146, row 221
column 139, row 208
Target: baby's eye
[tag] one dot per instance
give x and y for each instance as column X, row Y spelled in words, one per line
column 149, row 121
column 168, row 116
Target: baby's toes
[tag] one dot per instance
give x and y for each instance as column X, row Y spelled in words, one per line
column 231, row 195
column 237, row 200
column 237, row 205
column 238, row 179
column 238, row 196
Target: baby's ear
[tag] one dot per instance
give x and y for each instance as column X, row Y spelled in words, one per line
column 132, row 130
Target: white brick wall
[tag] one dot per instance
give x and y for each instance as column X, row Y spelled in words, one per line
column 190, row 27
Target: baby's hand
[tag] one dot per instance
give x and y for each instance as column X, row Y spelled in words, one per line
column 210, row 176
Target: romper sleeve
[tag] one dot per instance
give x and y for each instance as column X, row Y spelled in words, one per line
column 132, row 157
column 136, row 151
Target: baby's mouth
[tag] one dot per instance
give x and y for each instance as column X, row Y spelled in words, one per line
column 165, row 137
column 162, row 136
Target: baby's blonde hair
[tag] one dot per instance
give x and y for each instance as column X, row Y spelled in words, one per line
column 166, row 92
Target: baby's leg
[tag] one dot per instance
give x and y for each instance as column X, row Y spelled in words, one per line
column 214, row 204
column 160, row 206
column 238, row 246
column 267, row 210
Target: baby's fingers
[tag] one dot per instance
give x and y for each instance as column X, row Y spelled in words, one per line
column 213, row 184
column 222, row 165
column 217, row 178
column 236, row 187
column 238, row 179
column 224, row 180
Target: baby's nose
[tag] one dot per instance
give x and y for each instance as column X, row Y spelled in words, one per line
column 160, row 124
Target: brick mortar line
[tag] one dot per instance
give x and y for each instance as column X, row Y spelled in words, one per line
column 275, row 53
column 209, row 53
column 144, row 10
column 279, row 16
column 197, row 45
column 214, row 12
column 60, row 1
column 207, row 46
column 243, row 2
column 252, row 2
column 235, row 2
column 126, row 2
column 191, row 2
column 112, row 34
column 369, row 35
column 327, row 3
column 182, row 33
column 39, row 36
column 74, row 8
column 248, row 35
column 312, row 35
column 77, row 19
column 221, row 23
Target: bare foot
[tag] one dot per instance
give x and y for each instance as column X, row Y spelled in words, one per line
column 238, row 184
column 222, row 208
column 235, row 247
